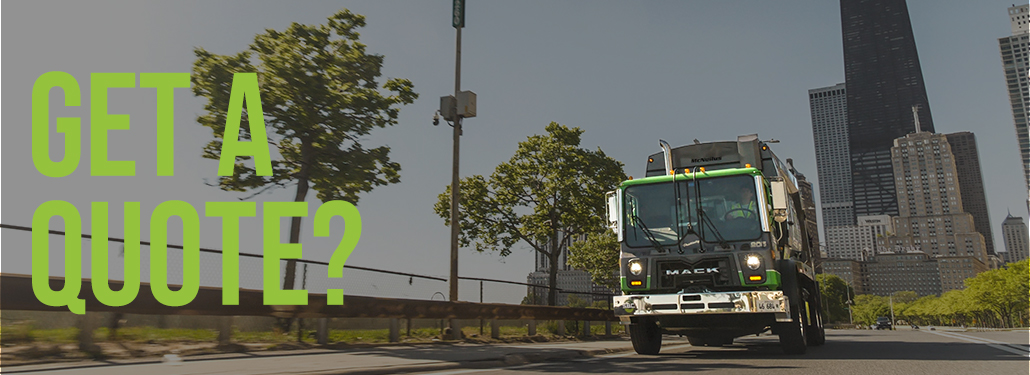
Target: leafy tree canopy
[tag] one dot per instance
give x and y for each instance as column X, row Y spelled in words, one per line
column 548, row 193
column 836, row 293
column 319, row 95
column 599, row 255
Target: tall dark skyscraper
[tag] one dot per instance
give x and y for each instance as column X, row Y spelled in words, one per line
column 883, row 82
column 971, row 183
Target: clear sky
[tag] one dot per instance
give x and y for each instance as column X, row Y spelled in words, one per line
column 628, row 73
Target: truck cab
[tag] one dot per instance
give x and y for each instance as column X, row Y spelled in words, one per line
column 713, row 247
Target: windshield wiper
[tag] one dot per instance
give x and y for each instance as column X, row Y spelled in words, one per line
column 711, row 225
column 647, row 233
column 703, row 217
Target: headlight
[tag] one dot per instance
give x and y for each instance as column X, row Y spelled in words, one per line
column 635, row 267
column 753, row 261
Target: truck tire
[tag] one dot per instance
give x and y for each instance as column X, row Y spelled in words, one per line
column 816, row 334
column 792, row 334
column 646, row 336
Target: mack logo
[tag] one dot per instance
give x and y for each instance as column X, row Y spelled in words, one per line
column 695, row 271
column 705, row 160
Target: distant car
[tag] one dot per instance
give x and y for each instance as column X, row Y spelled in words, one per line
column 883, row 323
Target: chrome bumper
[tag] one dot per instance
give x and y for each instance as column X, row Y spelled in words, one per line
column 761, row 302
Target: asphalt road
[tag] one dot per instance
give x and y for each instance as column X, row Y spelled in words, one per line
column 846, row 352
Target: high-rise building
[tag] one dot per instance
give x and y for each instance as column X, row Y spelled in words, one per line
column 1015, row 60
column 832, row 156
column 850, row 242
column 930, row 200
column 883, row 82
column 860, row 241
column 1015, row 232
column 931, row 219
column 970, row 181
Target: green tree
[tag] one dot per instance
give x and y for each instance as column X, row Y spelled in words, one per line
column 320, row 96
column 921, row 311
column 1017, row 279
column 868, row 307
column 906, row 296
column 955, row 307
column 548, row 193
column 1003, row 291
column 836, row 293
column 599, row 255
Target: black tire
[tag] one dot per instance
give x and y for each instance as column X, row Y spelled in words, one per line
column 646, row 336
column 793, row 334
column 816, row 334
column 697, row 341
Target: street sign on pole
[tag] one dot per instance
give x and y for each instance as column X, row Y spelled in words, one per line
column 458, row 14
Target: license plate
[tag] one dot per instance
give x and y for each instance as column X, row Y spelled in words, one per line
column 768, row 306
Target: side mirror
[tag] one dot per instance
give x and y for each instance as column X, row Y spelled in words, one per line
column 779, row 200
column 614, row 215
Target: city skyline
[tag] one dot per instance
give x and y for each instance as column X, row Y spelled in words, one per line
column 672, row 71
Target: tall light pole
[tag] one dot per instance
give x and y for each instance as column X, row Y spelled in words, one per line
column 455, row 108
column 458, row 21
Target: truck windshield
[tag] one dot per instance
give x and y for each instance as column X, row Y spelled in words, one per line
column 666, row 213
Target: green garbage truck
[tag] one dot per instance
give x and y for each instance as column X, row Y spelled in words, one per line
column 713, row 246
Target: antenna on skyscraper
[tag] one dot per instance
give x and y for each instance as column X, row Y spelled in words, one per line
column 915, row 116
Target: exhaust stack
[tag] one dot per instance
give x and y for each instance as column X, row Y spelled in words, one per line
column 667, row 151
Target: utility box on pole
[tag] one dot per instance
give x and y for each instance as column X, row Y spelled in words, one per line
column 447, row 107
column 467, row 104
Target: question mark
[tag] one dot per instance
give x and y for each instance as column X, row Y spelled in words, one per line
column 351, row 235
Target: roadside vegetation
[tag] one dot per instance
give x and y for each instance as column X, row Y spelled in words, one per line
column 993, row 299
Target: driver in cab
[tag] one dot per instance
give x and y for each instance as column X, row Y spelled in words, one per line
column 745, row 207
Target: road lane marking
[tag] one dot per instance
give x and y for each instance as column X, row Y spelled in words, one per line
column 991, row 343
column 1011, row 345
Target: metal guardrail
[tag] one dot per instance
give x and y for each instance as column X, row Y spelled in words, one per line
column 539, row 287
column 360, row 301
column 16, row 294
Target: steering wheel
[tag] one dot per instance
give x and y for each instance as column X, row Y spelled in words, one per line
column 754, row 214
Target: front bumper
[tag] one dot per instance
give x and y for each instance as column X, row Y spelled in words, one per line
column 749, row 302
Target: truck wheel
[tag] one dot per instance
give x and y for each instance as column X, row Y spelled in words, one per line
column 646, row 336
column 816, row 333
column 792, row 334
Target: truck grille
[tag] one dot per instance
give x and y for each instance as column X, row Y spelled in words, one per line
column 704, row 273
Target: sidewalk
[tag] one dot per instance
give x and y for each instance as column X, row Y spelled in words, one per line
column 379, row 360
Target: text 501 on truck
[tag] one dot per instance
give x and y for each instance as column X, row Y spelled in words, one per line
column 714, row 247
